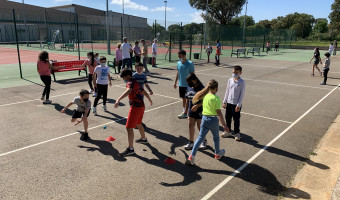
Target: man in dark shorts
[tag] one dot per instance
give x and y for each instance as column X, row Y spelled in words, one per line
column 184, row 67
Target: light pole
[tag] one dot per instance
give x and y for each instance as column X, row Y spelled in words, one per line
column 244, row 23
column 107, row 28
column 123, row 18
column 23, row 12
column 165, row 2
column 205, row 26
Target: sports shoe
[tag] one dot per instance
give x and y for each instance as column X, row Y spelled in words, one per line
column 189, row 145
column 323, row 83
column 142, row 141
column 42, row 97
column 220, row 154
column 237, row 137
column 104, row 108
column 94, row 110
column 84, row 136
column 204, row 144
column 183, row 116
column 91, row 91
column 94, row 94
column 312, row 75
column 47, row 101
column 190, row 160
column 226, row 134
column 127, row 152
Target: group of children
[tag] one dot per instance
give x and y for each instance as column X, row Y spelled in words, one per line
column 326, row 65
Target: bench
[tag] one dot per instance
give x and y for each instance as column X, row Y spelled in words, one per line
column 49, row 45
column 67, row 46
column 238, row 52
column 75, row 65
column 254, row 50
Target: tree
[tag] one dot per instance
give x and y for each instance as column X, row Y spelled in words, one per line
column 220, row 11
column 238, row 21
column 174, row 28
column 321, row 25
column 193, row 28
column 334, row 17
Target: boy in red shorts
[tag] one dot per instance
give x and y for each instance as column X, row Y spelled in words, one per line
column 135, row 92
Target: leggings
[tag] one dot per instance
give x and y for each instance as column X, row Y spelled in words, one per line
column 90, row 81
column 47, row 81
column 102, row 91
column 325, row 75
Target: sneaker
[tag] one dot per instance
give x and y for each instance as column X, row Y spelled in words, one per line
column 91, row 91
column 189, row 145
column 183, row 116
column 190, row 160
column 226, row 134
column 142, row 141
column 127, row 152
column 204, row 144
column 104, row 108
column 84, row 136
column 220, row 154
column 147, row 73
column 323, row 83
column 42, row 98
column 94, row 94
column 237, row 137
column 47, row 101
column 312, row 75
column 94, row 110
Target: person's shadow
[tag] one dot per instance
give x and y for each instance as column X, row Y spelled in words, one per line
column 103, row 147
column 59, row 107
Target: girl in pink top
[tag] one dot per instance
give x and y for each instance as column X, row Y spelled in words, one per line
column 43, row 68
column 91, row 64
column 119, row 57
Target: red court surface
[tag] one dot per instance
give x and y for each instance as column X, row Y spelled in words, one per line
column 28, row 56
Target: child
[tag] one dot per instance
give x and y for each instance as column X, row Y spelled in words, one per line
column 194, row 110
column 211, row 114
column 82, row 111
column 317, row 59
column 136, row 50
column 118, row 55
column 135, row 92
column 140, row 77
column 100, row 81
column 277, row 46
column 326, row 65
column 209, row 51
column 217, row 57
column 43, row 68
column 233, row 102
column 268, row 46
column 331, row 49
column 96, row 57
column 91, row 65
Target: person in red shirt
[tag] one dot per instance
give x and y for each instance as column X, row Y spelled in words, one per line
column 135, row 92
column 217, row 57
column 43, row 68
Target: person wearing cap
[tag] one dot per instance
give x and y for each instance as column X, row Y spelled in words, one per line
column 154, row 53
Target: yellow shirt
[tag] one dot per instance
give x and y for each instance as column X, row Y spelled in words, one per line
column 211, row 103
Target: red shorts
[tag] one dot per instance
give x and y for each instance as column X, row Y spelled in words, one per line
column 135, row 117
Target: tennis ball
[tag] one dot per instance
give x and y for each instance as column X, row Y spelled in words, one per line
column 104, row 127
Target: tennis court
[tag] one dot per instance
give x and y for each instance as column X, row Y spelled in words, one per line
column 285, row 113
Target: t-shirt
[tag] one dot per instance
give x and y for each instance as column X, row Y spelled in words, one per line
column 316, row 56
column 327, row 63
column 137, row 50
column 91, row 66
column 184, row 69
column 211, row 103
column 209, row 49
column 118, row 55
column 125, row 50
column 145, row 51
column 44, row 68
column 190, row 95
column 154, row 48
column 218, row 46
column 218, row 52
column 136, row 95
column 331, row 47
column 102, row 75
column 267, row 45
column 81, row 106
column 140, row 78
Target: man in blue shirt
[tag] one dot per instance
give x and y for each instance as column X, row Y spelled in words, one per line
column 184, row 67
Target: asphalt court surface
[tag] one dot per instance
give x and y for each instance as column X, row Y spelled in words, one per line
column 41, row 156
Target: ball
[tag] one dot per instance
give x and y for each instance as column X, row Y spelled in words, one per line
column 104, row 127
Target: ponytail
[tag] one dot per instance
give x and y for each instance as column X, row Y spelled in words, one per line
column 212, row 84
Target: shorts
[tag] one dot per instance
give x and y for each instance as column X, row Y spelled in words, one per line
column 195, row 115
column 77, row 114
column 135, row 117
column 316, row 62
column 182, row 91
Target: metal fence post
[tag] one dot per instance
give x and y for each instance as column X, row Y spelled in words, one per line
column 170, row 47
column 16, row 38
column 155, row 29
column 78, row 37
column 190, row 46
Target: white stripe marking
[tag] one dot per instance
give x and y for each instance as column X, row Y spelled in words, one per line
column 225, row 181
column 57, row 138
column 266, row 117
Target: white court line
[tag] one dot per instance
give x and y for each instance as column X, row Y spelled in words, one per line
column 266, row 117
column 274, row 82
column 225, row 181
column 57, row 138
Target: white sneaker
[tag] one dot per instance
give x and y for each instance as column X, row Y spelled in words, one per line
column 47, row 101
column 226, row 134
column 94, row 94
column 237, row 137
column 91, row 91
column 104, row 108
column 94, row 110
column 204, row 145
column 189, row 146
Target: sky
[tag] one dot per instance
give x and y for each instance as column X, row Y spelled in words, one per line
column 181, row 11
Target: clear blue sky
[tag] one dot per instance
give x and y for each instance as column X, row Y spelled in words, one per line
column 180, row 10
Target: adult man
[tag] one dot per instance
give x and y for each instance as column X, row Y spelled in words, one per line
column 126, row 50
column 145, row 56
column 184, row 67
column 154, row 53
